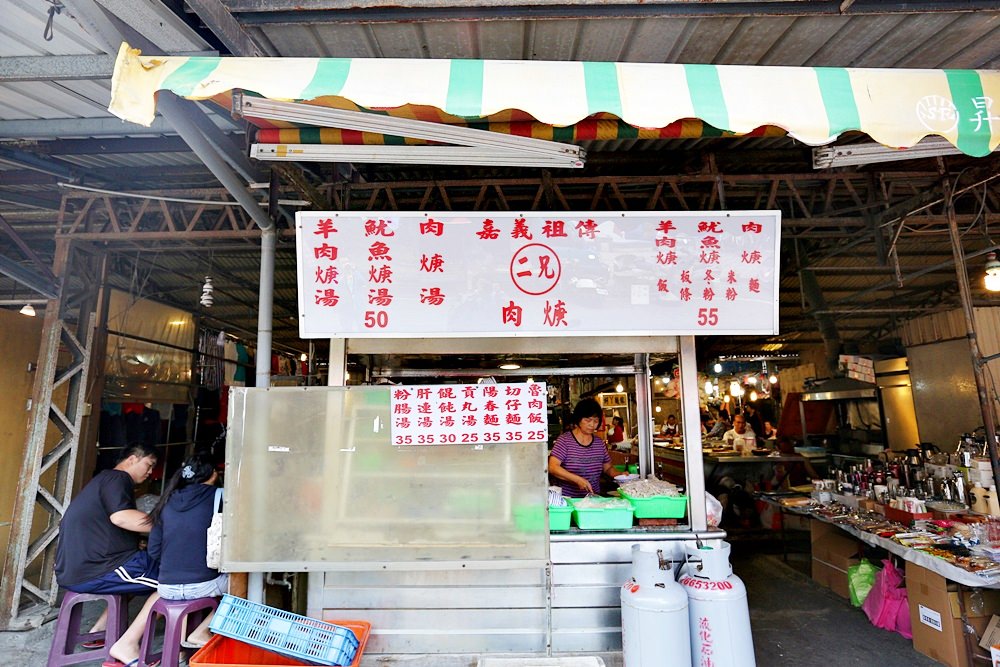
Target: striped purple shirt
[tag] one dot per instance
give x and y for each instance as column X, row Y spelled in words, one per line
column 587, row 462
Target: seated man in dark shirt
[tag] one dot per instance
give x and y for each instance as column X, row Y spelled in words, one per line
column 98, row 548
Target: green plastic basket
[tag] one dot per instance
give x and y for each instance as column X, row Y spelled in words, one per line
column 559, row 517
column 601, row 518
column 529, row 518
column 657, row 507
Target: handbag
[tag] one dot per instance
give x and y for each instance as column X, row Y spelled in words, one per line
column 213, row 543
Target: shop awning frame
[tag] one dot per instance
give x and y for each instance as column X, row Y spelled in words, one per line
column 472, row 146
column 895, row 107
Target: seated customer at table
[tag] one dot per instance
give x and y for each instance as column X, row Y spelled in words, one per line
column 722, row 424
column 740, row 437
column 671, row 428
column 579, row 457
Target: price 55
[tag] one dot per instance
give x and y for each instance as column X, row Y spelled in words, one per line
column 708, row 317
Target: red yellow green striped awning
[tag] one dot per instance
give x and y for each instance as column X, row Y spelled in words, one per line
column 896, row 107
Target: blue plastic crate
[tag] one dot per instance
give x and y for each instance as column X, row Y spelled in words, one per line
column 280, row 631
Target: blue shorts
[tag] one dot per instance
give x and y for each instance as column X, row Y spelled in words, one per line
column 136, row 576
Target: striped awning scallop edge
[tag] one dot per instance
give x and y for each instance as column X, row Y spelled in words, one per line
column 896, row 107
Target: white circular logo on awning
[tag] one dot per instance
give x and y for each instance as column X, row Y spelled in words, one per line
column 937, row 113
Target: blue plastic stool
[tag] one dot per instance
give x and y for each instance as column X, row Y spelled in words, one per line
column 68, row 637
column 173, row 612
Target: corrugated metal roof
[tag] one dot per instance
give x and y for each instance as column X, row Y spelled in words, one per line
column 946, row 40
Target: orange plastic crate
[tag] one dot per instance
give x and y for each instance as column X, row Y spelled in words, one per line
column 225, row 652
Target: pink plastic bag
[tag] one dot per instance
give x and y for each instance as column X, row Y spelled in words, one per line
column 887, row 605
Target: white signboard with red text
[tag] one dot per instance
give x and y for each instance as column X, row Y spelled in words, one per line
column 468, row 414
column 453, row 274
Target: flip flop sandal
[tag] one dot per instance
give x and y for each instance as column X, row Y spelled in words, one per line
column 93, row 643
column 191, row 645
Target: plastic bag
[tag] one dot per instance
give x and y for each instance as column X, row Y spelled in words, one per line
column 714, row 509
column 887, row 605
column 860, row 579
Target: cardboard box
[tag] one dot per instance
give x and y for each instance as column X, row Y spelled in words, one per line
column 936, row 633
column 856, row 360
column 995, row 655
column 833, row 551
column 869, row 505
column 828, row 576
column 863, row 377
column 991, row 636
column 989, row 604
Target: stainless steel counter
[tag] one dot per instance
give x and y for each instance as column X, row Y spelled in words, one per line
column 569, row 604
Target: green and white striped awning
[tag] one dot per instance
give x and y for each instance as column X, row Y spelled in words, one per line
column 896, row 107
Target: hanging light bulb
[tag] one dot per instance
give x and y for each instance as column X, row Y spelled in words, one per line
column 752, row 379
column 734, row 388
column 28, row 310
column 725, row 399
column 303, row 357
column 753, row 396
column 657, row 408
column 773, row 379
column 708, row 388
column 619, row 388
column 206, row 293
column 992, row 278
column 717, row 367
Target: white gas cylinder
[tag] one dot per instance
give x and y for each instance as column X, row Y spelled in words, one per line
column 717, row 605
column 655, row 629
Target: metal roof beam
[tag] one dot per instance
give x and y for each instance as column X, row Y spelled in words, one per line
column 156, row 22
column 258, row 12
column 36, row 162
column 95, row 127
column 221, row 22
column 33, row 281
column 56, row 68
column 65, row 68
column 29, row 201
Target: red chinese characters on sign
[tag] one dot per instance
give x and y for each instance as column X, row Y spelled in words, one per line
column 326, row 274
column 468, row 414
column 464, row 273
column 535, row 269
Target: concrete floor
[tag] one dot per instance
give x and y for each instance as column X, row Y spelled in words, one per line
column 795, row 623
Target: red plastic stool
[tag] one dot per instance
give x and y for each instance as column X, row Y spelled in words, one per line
column 68, row 637
column 173, row 612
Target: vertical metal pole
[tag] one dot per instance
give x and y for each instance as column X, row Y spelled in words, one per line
column 694, row 465
column 965, row 293
column 644, row 414
column 265, row 325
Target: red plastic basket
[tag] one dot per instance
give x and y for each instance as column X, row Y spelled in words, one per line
column 225, row 652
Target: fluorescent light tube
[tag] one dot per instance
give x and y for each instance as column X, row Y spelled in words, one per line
column 850, row 155
column 457, row 155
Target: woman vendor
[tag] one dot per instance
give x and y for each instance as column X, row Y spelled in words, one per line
column 579, row 457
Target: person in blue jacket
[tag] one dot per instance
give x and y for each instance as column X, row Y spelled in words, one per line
column 180, row 521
